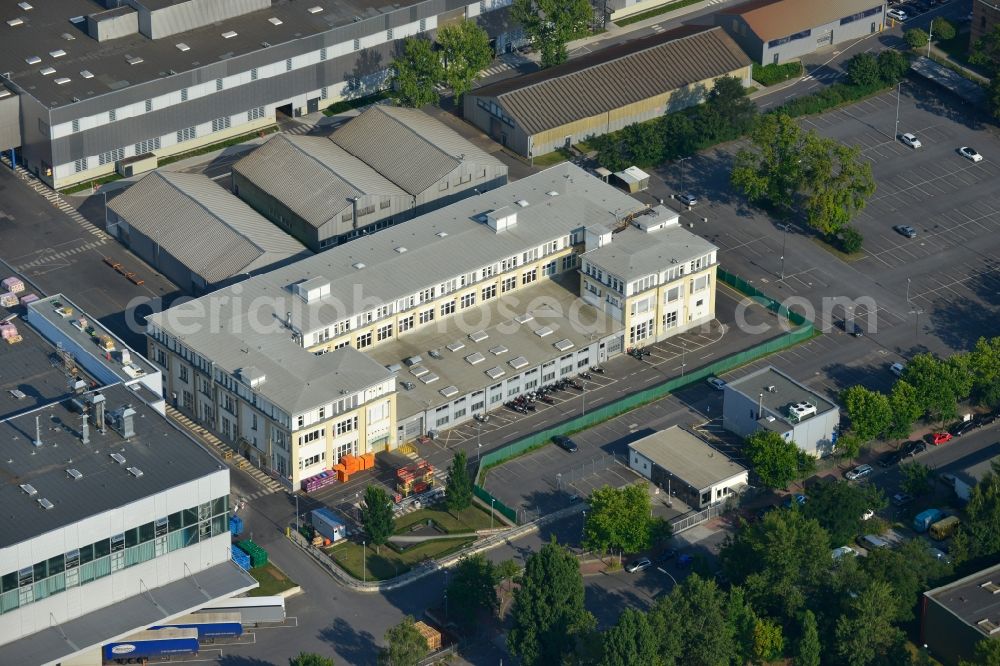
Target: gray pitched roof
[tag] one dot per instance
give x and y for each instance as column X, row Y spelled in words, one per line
column 407, row 146
column 617, row 76
column 313, row 176
column 204, row 226
column 634, row 253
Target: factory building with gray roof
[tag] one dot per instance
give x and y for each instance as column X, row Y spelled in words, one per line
column 195, row 232
column 433, row 321
column 957, row 616
column 384, row 166
column 87, row 84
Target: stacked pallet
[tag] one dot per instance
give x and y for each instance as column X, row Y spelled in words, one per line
column 430, row 634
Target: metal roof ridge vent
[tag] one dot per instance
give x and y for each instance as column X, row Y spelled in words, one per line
column 29, row 489
column 274, row 20
column 46, row 504
column 74, row 474
column 118, row 458
column 229, row 34
column 135, row 471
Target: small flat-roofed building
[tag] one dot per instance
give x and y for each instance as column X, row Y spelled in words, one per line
column 776, row 31
column 195, row 232
column 687, row 467
column 606, row 90
column 768, row 399
column 384, row 166
column 957, row 616
column 969, row 476
column 114, row 520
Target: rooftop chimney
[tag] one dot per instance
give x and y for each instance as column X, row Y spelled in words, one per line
column 38, row 432
column 128, row 429
column 97, row 400
column 85, row 431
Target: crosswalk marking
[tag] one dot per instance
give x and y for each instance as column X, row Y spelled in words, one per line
column 301, row 128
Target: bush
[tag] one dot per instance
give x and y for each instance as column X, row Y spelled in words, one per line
column 768, row 75
column 850, row 240
column 943, row 29
column 863, row 70
column 915, row 38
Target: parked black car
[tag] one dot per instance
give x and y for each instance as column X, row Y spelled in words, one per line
column 564, row 443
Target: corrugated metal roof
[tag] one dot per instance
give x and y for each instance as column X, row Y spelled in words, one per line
column 202, row 225
column 771, row 19
column 313, row 176
column 407, row 146
column 615, row 77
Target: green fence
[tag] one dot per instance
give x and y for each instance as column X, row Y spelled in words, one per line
column 600, row 414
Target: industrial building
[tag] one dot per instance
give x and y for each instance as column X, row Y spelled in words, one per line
column 768, row 399
column 777, row 31
column 419, row 327
column 384, row 166
column 968, row 476
column 957, row 616
column 87, row 84
column 687, row 467
column 102, row 535
column 606, row 90
column 195, row 232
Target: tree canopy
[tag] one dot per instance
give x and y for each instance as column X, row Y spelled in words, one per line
column 405, row 645
column 376, row 515
column 310, row 659
column 986, row 54
column 775, row 460
column 465, row 52
column 838, row 507
column 692, row 623
column 982, row 524
column 869, row 411
column 415, row 72
column 548, row 614
column 458, row 484
column 631, row 641
column 619, row 519
column 551, row 24
column 472, row 590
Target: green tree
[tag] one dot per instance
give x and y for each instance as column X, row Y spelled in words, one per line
column 692, row 624
column 838, row 507
column 908, row 570
column 809, row 648
column 465, row 52
column 982, row 525
column 848, row 445
column 780, row 561
column 892, row 65
column 869, row 411
column 984, row 364
column 611, row 150
column 839, row 184
column 376, row 516
column 405, row 645
column 619, row 520
column 866, row 633
column 915, row 38
column 916, row 478
column 472, row 590
column 986, row 54
column 943, row 29
column 310, row 659
column 679, row 136
column 644, row 143
column 863, row 70
column 774, row 458
column 630, row 642
column 850, row 240
column 987, row 654
column 548, row 614
column 743, row 620
column 768, row 643
column 415, row 72
column 458, row 484
column 905, row 409
column 770, row 171
column 939, row 385
column 728, row 98
column 551, row 24
column 506, row 571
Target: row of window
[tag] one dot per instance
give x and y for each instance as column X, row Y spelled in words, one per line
column 105, row 556
column 861, row 15
column 790, row 38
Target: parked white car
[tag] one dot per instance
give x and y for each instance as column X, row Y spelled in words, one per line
column 896, row 14
column 970, row 154
column 910, row 140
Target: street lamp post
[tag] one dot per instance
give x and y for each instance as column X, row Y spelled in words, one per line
column 683, row 357
column 479, row 444
column 784, row 236
column 364, row 562
column 492, row 500
column 899, row 87
column 916, row 324
column 907, row 291
column 930, row 38
column 558, row 480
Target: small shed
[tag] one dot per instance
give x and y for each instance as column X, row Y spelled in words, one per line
column 603, row 174
column 633, row 179
column 328, row 525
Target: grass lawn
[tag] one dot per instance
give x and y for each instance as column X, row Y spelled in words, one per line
column 389, row 563
column 550, row 159
column 272, row 581
column 464, row 521
column 655, row 12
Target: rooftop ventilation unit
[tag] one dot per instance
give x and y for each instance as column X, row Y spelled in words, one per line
column 412, row 360
column 458, row 345
column 45, row 504
column 315, row 10
column 58, row 53
column 563, row 345
column 523, row 203
column 359, row 265
column 275, row 21
column 29, row 489
column 133, row 60
column 32, row 60
column 400, row 249
column 229, row 34
column 434, row 353
column 181, row 46
column 87, row 74
column 135, row 471
column 772, row 389
column 394, row 368
column 61, row 81
column 45, row 71
column 478, row 336
column 77, row 19
column 442, row 234
column 552, row 193
column 501, row 219
column 15, row 22
column 800, row 411
column 407, row 385
column 312, row 289
column 118, row 458
column 74, row 474
column 25, row 6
